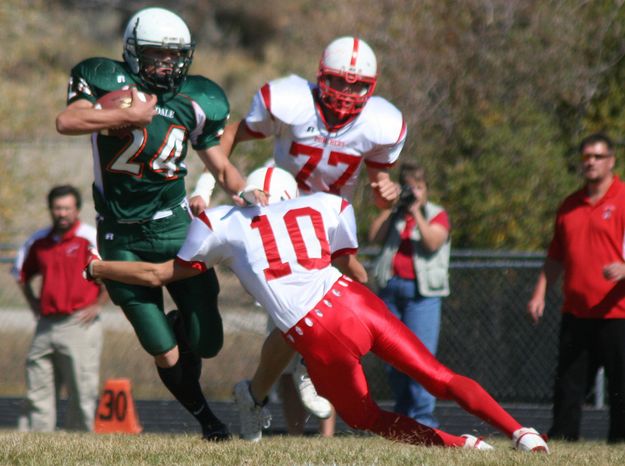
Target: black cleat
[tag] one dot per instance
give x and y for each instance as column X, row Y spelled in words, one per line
column 216, row 433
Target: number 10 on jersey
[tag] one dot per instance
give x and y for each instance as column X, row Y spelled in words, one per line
column 277, row 267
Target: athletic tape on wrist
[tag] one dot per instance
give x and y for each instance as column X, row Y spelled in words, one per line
column 204, row 187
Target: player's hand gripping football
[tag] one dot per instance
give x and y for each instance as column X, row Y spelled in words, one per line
column 142, row 109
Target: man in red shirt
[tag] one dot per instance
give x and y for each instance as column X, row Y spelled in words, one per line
column 588, row 246
column 68, row 337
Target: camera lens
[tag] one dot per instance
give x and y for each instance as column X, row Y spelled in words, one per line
column 406, row 197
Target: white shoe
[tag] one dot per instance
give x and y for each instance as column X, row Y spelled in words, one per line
column 314, row 403
column 527, row 439
column 476, row 442
column 252, row 417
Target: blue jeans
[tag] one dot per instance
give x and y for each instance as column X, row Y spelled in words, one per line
column 422, row 316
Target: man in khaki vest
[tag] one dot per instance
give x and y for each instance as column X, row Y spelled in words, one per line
column 412, row 276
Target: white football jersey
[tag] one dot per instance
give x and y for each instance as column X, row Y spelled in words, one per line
column 320, row 159
column 281, row 253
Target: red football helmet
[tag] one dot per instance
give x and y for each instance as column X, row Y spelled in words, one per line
column 347, row 76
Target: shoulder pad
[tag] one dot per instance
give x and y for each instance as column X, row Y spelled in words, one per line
column 104, row 74
column 385, row 123
column 291, row 100
column 337, row 203
column 208, row 95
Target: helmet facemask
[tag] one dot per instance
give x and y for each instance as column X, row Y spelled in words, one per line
column 345, row 94
column 166, row 72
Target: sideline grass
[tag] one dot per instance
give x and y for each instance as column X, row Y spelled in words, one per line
column 158, row 449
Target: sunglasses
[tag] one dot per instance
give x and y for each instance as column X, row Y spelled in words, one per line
column 588, row 156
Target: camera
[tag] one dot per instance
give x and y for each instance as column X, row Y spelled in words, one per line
column 406, row 198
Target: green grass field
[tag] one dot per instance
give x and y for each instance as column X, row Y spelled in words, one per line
column 89, row 449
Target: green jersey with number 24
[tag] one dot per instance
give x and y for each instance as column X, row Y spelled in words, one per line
column 142, row 173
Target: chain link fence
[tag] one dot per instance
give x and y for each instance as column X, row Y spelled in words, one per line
column 485, row 333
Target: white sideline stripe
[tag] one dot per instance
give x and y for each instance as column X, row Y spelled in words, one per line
column 113, row 319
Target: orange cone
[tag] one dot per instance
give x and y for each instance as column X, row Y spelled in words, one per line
column 116, row 410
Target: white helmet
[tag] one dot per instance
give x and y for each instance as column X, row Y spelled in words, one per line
column 279, row 184
column 351, row 59
column 157, row 28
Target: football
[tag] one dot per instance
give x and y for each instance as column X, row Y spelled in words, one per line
column 121, row 98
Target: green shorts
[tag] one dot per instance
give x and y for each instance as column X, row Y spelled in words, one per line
column 196, row 297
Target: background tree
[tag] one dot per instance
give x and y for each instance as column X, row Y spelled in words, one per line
column 496, row 93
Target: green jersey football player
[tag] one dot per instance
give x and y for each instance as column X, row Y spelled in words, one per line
column 139, row 189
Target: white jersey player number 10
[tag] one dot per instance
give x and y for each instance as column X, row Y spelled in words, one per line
column 277, row 268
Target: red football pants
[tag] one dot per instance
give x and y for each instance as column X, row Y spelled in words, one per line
column 349, row 322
